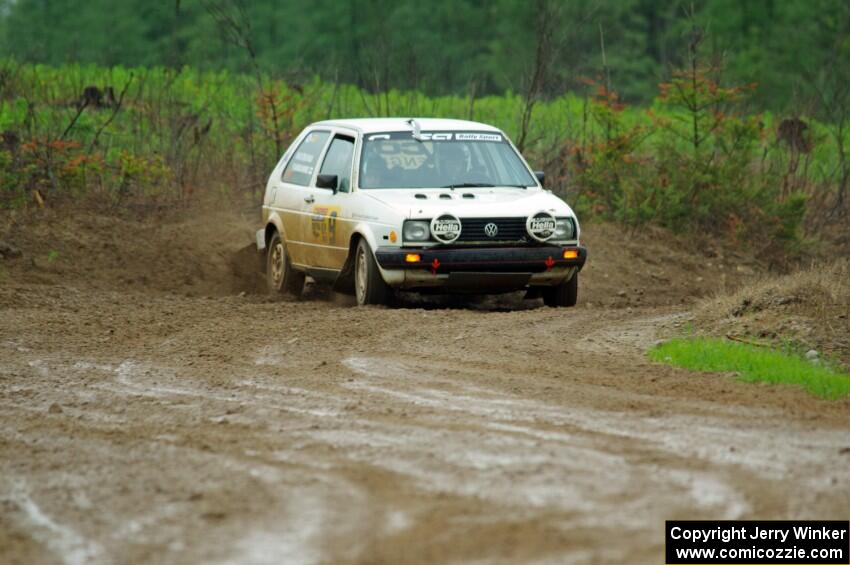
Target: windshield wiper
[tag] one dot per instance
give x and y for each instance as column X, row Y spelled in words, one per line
column 469, row 185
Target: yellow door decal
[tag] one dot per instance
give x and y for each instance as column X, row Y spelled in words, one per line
column 323, row 223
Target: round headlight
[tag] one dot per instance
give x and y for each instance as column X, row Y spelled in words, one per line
column 416, row 231
column 541, row 226
column 564, row 229
column 446, row 228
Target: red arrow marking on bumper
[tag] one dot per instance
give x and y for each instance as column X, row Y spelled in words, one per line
column 549, row 262
column 435, row 264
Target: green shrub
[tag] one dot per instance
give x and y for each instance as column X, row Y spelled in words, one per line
column 174, row 135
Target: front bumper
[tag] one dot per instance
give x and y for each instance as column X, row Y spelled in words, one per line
column 442, row 260
column 489, row 269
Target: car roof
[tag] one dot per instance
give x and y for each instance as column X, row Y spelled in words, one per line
column 373, row 125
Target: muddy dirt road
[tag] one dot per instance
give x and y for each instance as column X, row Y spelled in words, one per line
column 145, row 427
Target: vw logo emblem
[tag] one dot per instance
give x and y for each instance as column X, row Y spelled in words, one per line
column 491, row 229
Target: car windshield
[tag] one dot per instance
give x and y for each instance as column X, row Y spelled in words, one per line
column 441, row 160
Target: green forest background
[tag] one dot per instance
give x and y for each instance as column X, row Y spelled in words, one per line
column 726, row 116
column 448, row 46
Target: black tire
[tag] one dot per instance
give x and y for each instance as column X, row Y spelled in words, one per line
column 563, row 295
column 281, row 278
column 369, row 285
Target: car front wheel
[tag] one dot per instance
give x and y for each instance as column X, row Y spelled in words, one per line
column 280, row 276
column 369, row 285
column 562, row 295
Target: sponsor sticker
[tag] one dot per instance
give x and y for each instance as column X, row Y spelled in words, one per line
column 478, row 137
column 440, row 136
column 541, row 226
column 299, row 168
column 323, row 223
column 408, row 162
column 445, row 228
column 435, row 136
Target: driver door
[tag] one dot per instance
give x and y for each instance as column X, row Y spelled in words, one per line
column 293, row 187
column 326, row 228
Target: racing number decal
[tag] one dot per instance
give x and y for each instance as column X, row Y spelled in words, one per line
column 323, row 223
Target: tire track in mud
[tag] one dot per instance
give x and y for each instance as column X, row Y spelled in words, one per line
column 295, row 528
column 509, row 439
column 452, row 447
column 62, row 539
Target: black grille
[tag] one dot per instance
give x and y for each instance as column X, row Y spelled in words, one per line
column 509, row 229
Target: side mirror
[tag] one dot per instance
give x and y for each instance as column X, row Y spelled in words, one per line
column 327, row 181
column 541, row 176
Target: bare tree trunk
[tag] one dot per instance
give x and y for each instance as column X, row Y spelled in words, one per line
column 607, row 75
column 470, row 112
column 545, row 23
column 236, row 28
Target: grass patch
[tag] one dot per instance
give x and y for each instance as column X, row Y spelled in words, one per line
column 753, row 364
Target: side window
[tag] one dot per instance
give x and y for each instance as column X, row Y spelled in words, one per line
column 300, row 168
column 338, row 161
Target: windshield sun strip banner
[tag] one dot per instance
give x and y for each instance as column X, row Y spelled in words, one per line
column 484, row 136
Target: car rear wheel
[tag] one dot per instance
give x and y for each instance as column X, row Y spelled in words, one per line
column 369, row 285
column 280, row 276
column 562, row 295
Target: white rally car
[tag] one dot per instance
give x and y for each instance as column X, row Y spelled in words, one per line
column 446, row 206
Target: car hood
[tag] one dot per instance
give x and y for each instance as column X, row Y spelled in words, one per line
column 469, row 202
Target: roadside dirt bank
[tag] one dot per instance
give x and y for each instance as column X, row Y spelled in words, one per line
column 207, row 251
